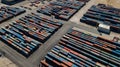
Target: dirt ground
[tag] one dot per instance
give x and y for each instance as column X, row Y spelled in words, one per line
column 115, row 3
column 4, row 62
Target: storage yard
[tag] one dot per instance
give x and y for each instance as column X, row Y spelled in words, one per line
column 60, row 33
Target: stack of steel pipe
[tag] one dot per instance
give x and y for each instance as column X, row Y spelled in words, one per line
column 9, row 12
column 17, row 40
column 102, row 14
column 62, row 9
column 78, row 49
column 27, row 33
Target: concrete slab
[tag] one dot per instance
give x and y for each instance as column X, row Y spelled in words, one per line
column 81, row 12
